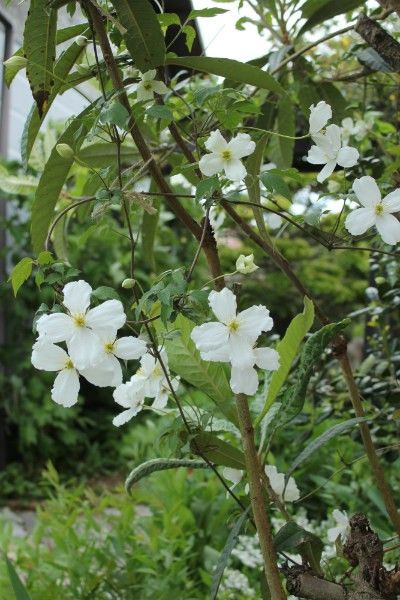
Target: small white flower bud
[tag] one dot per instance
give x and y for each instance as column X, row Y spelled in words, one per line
column 128, row 284
column 245, row 264
column 16, row 62
column 81, row 40
column 65, row 151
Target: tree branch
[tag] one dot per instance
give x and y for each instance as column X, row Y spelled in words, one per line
column 379, row 39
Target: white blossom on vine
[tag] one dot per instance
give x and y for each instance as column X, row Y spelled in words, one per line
column 357, row 129
column 148, row 86
column 225, row 156
column 329, row 151
column 80, row 326
column 342, row 528
column 245, row 264
column 288, row 493
column 319, row 116
column 375, row 211
column 232, row 339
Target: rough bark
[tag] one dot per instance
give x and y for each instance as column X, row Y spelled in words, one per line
column 383, row 43
column 391, row 5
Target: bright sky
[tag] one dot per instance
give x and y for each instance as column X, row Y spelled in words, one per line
column 221, row 38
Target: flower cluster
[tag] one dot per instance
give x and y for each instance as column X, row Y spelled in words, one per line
column 93, row 350
column 233, row 339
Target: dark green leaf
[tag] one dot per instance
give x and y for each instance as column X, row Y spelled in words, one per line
column 18, row 587
column 144, row 38
column 275, row 183
column 293, row 538
column 105, row 293
column 160, row 111
column 228, row 68
column 207, row 187
column 318, row 11
column 217, row 451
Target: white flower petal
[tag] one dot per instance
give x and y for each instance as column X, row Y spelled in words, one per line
column 235, row 169
column 221, row 354
column 244, row 380
column 267, row 358
column 391, row 202
column 130, row 394
column 316, row 156
column 210, row 336
column 232, row 475
column 240, row 351
column 348, row 157
column 223, row 305
column 211, row 164
column 143, row 94
column 276, row 480
column 333, row 533
column 241, row 145
column 319, row 116
column 159, row 87
column 359, row 220
column 77, row 296
column 48, row 357
column 66, row 388
column 326, row 171
column 160, row 400
column 129, row 348
column 292, row 492
column 124, row 417
column 106, row 373
column 389, row 228
column 253, row 321
column 108, row 315
column 332, row 139
column 367, row 191
column 148, row 75
column 57, row 327
column 216, row 142
column 84, row 348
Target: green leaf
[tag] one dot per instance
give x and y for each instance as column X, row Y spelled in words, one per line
column 288, row 348
column 205, row 12
column 40, row 50
column 114, row 113
column 226, row 553
column 286, row 126
column 18, row 587
column 45, row 258
column 168, row 19
column 144, row 38
column 149, row 229
column 252, row 181
column 275, row 183
column 217, row 451
column 209, row 377
column 161, row 464
column 61, row 69
column 293, row 538
column 207, row 187
column 65, row 34
column 12, row 66
column 160, row 111
column 228, row 68
column 322, row 440
column 190, row 34
column 22, row 185
column 103, row 155
column 104, row 292
column 318, row 11
column 374, row 61
column 20, row 273
column 53, row 178
column 294, row 397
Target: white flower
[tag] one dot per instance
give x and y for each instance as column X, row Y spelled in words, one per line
column 232, row 475
column 375, row 211
column 245, row 264
column 232, row 340
column 358, row 129
column 147, row 86
column 342, row 528
column 149, row 381
column 80, row 326
column 277, row 481
column 330, row 152
column 111, row 349
column 319, row 116
column 273, row 220
column 226, row 156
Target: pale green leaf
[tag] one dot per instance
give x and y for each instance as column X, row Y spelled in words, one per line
column 20, row 273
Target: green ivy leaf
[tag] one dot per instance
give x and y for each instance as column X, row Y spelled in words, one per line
column 20, row 273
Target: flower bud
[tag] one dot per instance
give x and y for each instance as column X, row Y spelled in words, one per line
column 65, row 151
column 128, row 284
column 81, row 40
column 245, row 264
column 16, row 62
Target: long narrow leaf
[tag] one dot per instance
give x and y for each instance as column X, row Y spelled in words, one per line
column 160, row 464
column 18, row 587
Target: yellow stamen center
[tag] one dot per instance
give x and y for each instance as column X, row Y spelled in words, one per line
column 227, row 155
column 157, row 371
column 79, row 320
column 147, row 85
column 69, row 364
column 109, row 347
column 379, row 209
column 233, row 325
